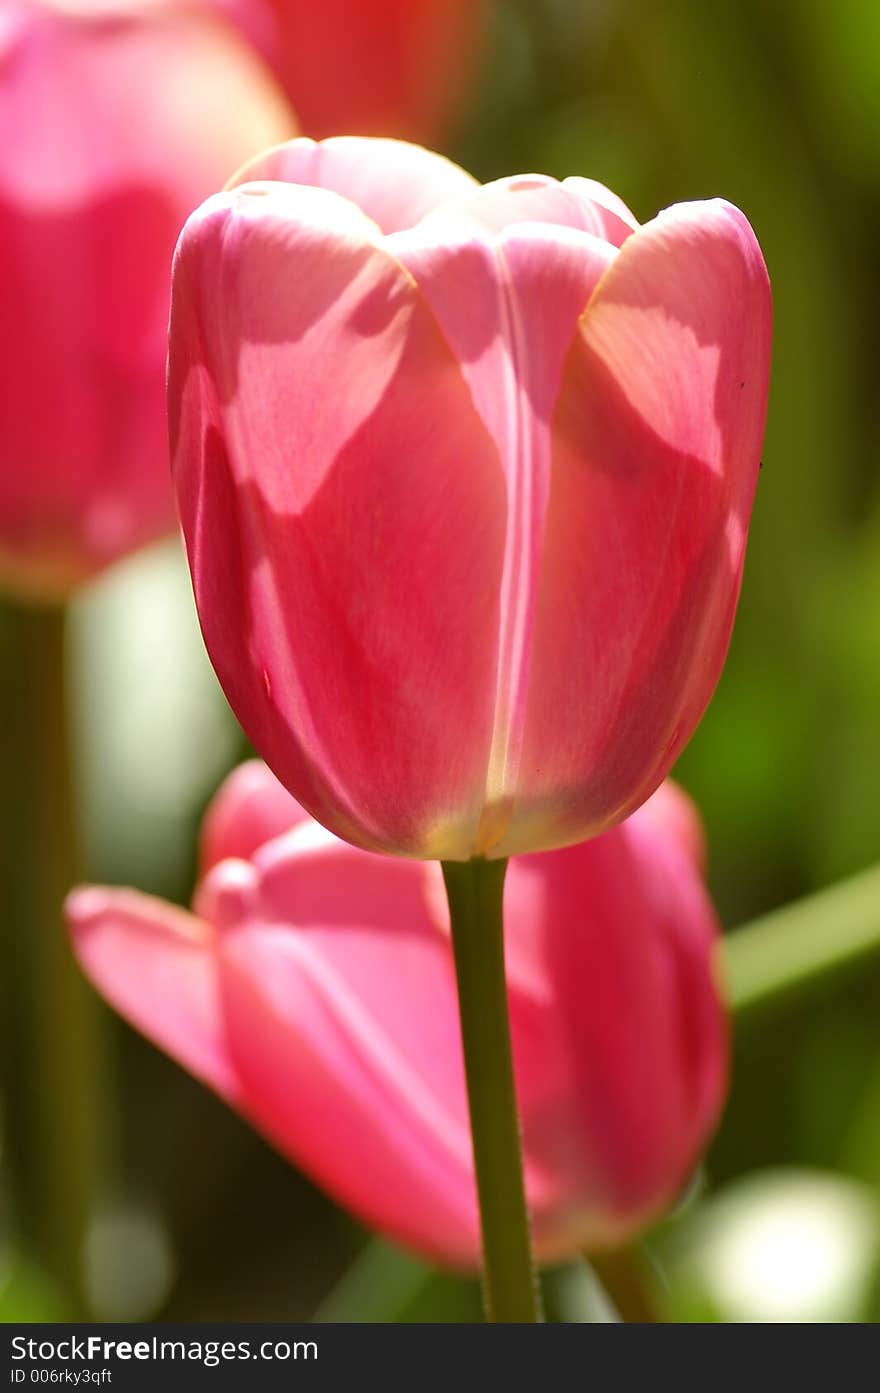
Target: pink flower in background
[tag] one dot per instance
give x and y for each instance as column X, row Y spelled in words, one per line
column 375, row 67
column 115, row 121
column 465, row 475
column 313, row 988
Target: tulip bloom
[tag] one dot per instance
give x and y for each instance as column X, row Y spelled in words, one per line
column 465, row 475
column 377, row 67
column 116, row 122
column 313, row 988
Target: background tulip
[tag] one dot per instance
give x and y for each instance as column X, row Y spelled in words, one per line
column 465, row 475
column 313, row 987
column 375, row 67
column 116, row 120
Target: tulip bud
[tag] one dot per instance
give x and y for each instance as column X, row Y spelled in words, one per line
column 313, row 988
column 465, row 476
column 376, row 67
column 117, row 119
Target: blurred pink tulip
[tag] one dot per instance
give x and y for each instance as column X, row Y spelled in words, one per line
column 375, row 67
column 465, row 475
column 116, row 120
column 313, row 988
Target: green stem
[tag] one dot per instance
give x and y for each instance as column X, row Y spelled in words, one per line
column 379, row 1284
column 475, row 890
column 53, row 1082
column 794, row 947
column 626, row 1276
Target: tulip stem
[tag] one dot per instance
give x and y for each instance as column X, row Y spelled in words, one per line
column 475, row 890
column 51, row 1074
column 625, row 1275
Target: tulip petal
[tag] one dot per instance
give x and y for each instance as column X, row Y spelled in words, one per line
column 621, row 1060
column 380, row 1117
column 91, row 162
column 380, row 67
column 582, row 204
column 509, row 303
column 345, row 545
column 156, row 965
column 686, row 930
column 614, row 220
column 657, row 435
column 394, row 183
column 251, row 808
column 675, row 816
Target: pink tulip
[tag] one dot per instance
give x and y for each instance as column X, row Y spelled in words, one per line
column 313, row 988
column 465, row 475
column 377, row 67
column 116, row 121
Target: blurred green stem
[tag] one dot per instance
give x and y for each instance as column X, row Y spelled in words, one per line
column 792, row 948
column 626, row 1276
column 381, row 1279
column 53, row 1079
column 475, row 890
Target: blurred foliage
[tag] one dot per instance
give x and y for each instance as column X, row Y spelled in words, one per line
column 776, row 107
